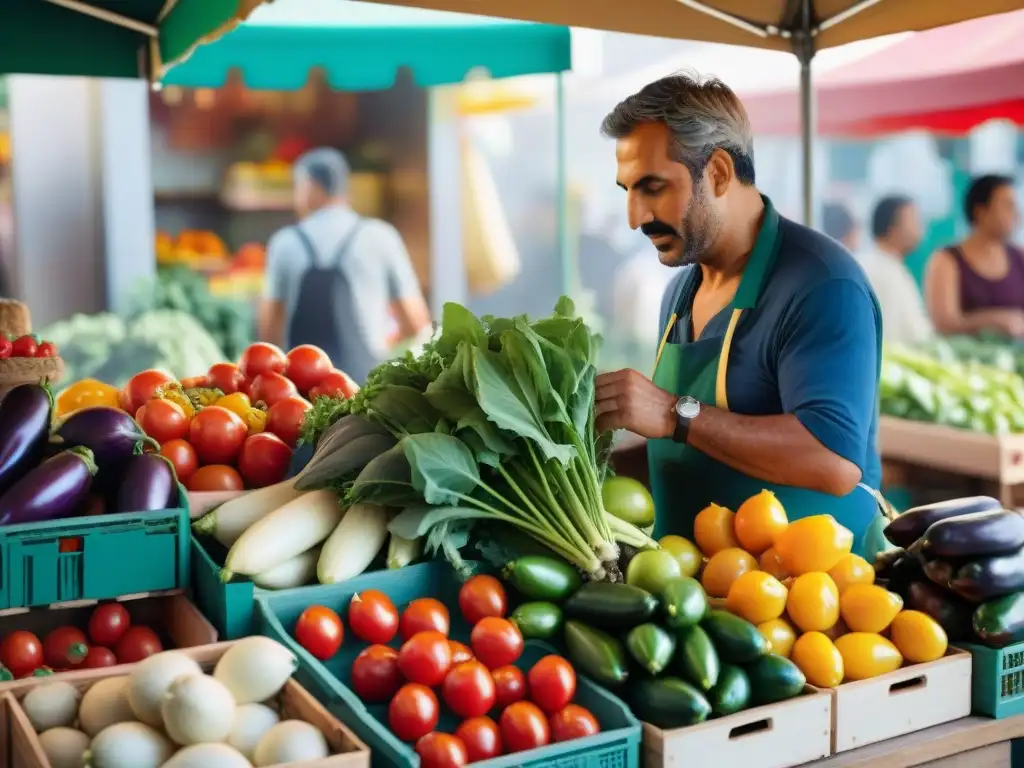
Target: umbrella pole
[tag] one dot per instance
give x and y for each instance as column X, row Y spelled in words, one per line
column 803, row 47
column 565, row 256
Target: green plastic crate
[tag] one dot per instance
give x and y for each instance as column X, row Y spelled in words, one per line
column 997, row 679
column 94, row 558
column 229, row 607
column 617, row 746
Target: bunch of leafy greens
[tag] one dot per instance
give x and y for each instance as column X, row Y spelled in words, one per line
column 493, row 420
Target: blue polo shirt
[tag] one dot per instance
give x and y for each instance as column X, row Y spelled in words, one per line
column 811, row 346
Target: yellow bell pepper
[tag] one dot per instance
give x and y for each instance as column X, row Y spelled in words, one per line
column 236, row 403
column 203, row 396
column 175, row 394
column 255, row 419
column 84, row 394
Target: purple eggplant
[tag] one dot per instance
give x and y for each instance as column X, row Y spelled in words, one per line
column 56, row 488
column 148, row 484
column 111, row 434
column 24, row 426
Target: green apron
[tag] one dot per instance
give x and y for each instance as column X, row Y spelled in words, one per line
column 684, row 480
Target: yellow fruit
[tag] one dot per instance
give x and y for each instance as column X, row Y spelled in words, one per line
column 780, row 634
column 869, row 608
column 724, row 568
column 818, row 659
column 813, row 603
column 757, row 597
column 713, row 530
column 685, row 552
column 813, row 544
column 867, row 655
column 770, row 562
column 852, row 569
column 758, row 521
column 918, row 637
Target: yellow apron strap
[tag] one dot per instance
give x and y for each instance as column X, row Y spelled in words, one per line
column 721, row 399
column 664, row 340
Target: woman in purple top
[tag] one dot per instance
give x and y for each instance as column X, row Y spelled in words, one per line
column 978, row 285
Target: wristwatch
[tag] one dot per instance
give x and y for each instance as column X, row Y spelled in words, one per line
column 686, row 409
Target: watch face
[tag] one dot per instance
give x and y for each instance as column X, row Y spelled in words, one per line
column 688, row 407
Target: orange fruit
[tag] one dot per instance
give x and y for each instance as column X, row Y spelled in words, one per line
column 780, row 634
column 813, row 603
column 758, row 521
column 724, row 568
column 850, row 570
column 757, row 597
column 918, row 637
column 713, row 530
column 813, row 544
column 867, row 655
column 770, row 562
column 869, row 608
column 818, row 659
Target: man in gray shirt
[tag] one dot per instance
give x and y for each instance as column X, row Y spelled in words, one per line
column 336, row 279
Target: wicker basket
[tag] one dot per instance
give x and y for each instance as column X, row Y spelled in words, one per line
column 15, row 371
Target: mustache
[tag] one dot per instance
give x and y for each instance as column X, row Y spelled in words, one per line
column 656, row 228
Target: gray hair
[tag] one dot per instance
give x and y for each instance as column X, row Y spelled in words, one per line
column 703, row 114
column 325, row 167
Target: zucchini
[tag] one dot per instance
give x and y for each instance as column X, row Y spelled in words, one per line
column 736, row 640
column 669, row 702
column 999, row 623
column 539, row 577
column 537, row 620
column 989, row 578
column 999, row 532
column 775, row 678
column 611, row 606
column 951, row 612
column 912, row 524
column 684, row 603
column 651, row 646
column 697, row 658
column 732, row 692
column 596, row 654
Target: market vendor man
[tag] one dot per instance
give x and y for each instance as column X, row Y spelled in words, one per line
column 767, row 371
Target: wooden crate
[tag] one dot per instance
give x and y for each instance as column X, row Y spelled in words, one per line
column 294, row 701
column 910, row 699
column 779, row 735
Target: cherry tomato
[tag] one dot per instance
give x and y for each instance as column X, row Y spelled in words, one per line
column 285, row 418
column 413, row 712
column 21, row 653
column 261, row 358
column 217, row 434
column 319, row 631
column 441, row 750
column 24, row 346
column 460, row 652
column 141, row 387
column 109, row 621
column 65, row 647
column 307, row 366
column 183, row 456
column 46, row 349
column 270, row 388
column 552, row 683
column 509, row 685
column 6, row 347
column 163, row 420
column 424, row 614
column 375, row 673
column 573, row 722
column 334, row 384
column 523, row 727
column 264, row 460
column 481, row 736
column 425, row 658
column 227, row 377
column 480, row 597
column 98, row 656
column 496, row 642
column 136, row 644
column 372, row 616
column 469, row 689
column 215, row 477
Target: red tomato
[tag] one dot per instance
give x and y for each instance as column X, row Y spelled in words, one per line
column 425, row 658
column 460, row 652
column 372, row 616
column 227, row 378
column 98, row 656
column 319, row 631
column 141, row 387
column 136, row 644
column 46, row 349
column 441, row 750
column 285, row 418
column 262, row 358
column 307, row 366
column 215, row 477
column 270, row 388
column 6, row 347
column 480, row 597
column 24, row 346
column 413, row 712
column 334, row 384
column 217, row 434
column 422, row 615
column 573, row 722
column 552, row 683
column 509, row 685
column 109, row 621
column 496, row 642
column 65, row 647
column 162, row 420
column 264, row 460
column 375, row 673
column 21, row 652
column 183, row 456
column 481, row 736
column 469, row 689
column 195, row 382
column 523, row 727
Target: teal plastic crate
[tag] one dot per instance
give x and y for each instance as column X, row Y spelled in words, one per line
column 617, row 746
column 229, row 607
column 997, row 679
column 94, row 558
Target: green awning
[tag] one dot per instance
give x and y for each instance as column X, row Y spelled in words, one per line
column 360, row 47
column 108, row 38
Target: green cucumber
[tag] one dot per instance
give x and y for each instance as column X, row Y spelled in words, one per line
column 651, row 646
column 611, row 606
column 732, row 692
column 537, row 620
column 774, row 678
column 684, row 603
column 697, row 659
column 596, row 654
column 668, row 702
column 736, row 640
column 542, row 578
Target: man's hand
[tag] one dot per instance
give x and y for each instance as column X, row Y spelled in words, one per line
column 628, row 400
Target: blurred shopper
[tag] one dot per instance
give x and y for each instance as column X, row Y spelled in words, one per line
column 838, row 223
column 978, row 285
column 333, row 278
column 896, row 232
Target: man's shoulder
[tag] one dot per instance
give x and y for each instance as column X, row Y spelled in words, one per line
column 808, row 258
